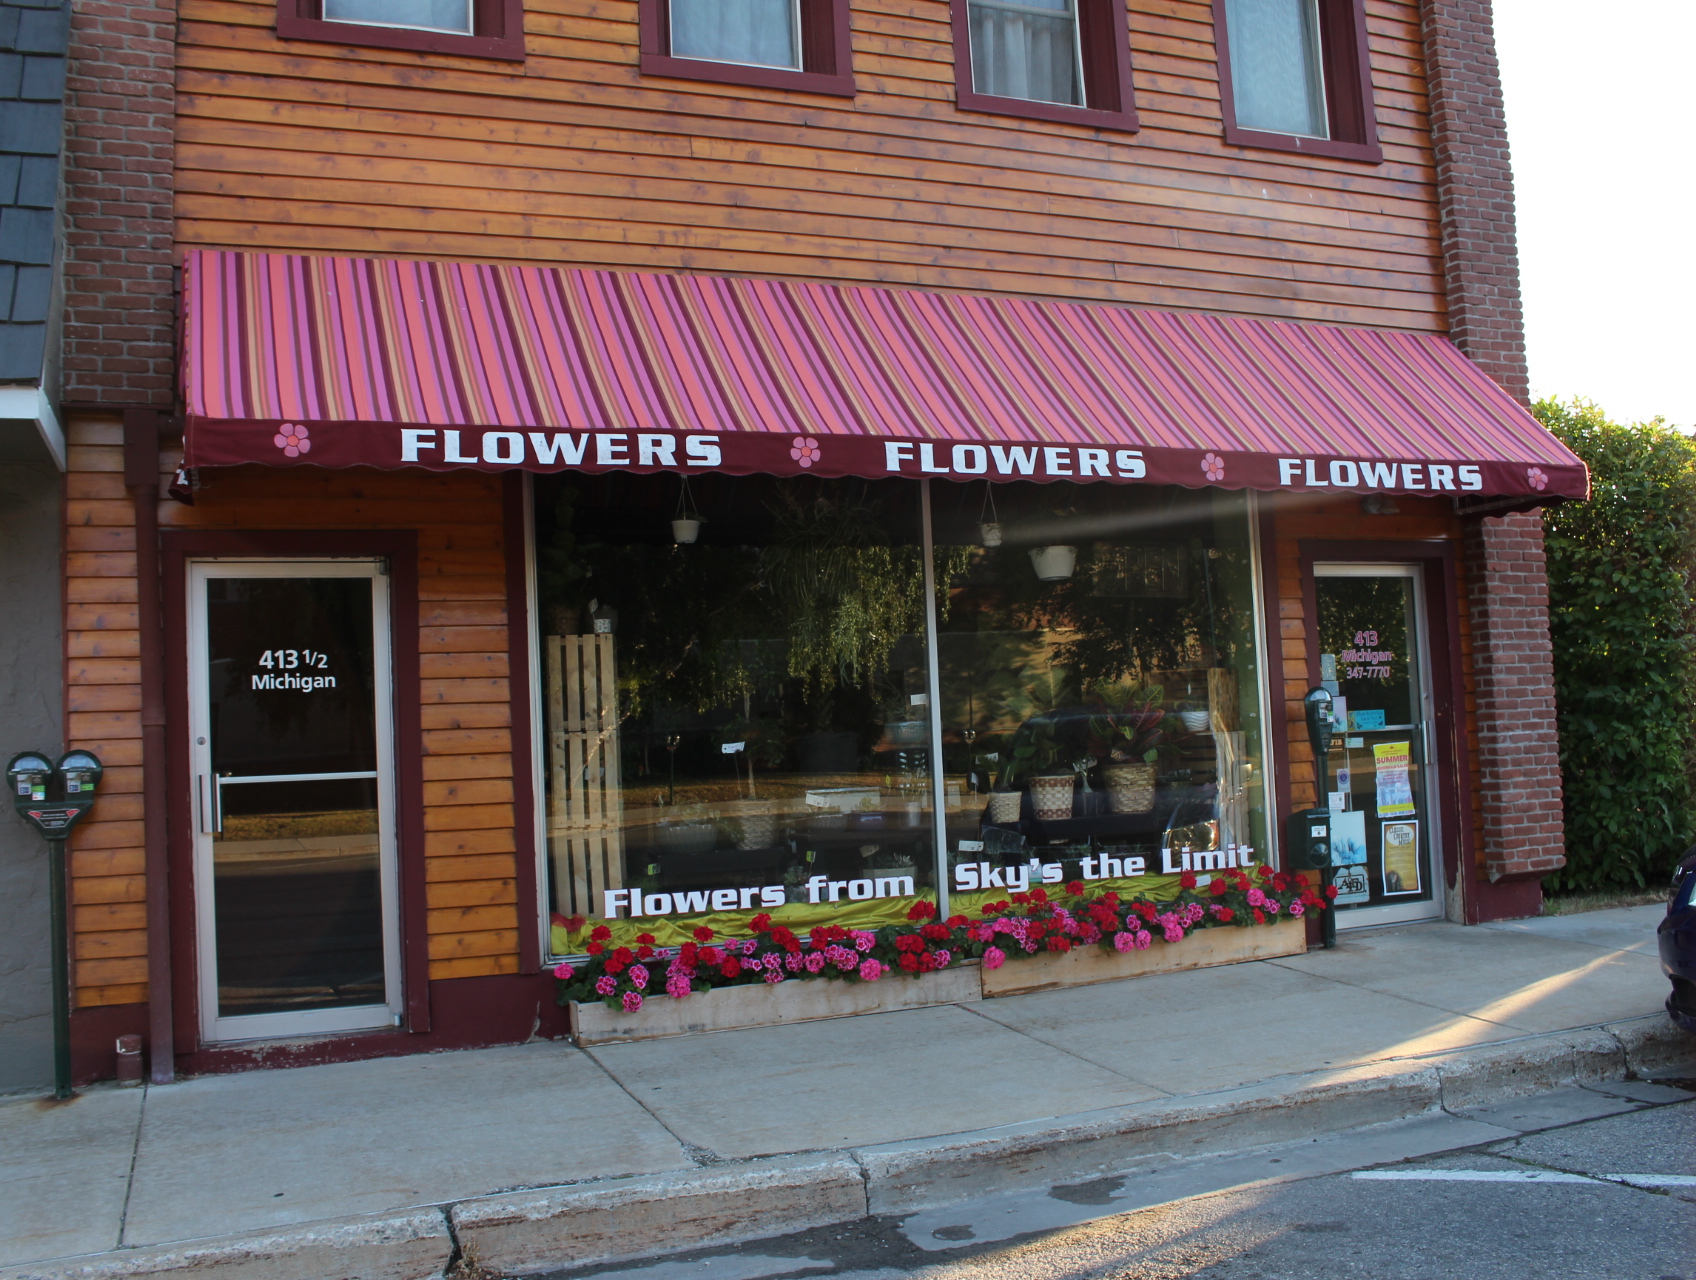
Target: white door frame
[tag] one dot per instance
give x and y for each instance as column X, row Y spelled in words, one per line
column 1425, row 727
column 203, row 802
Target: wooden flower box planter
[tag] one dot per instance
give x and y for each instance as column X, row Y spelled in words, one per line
column 731, row 1008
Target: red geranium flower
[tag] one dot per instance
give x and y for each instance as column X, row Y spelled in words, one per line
column 601, row 933
column 1259, row 916
column 615, row 967
column 575, row 923
column 644, row 951
column 703, row 934
column 761, row 922
column 1219, row 887
column 595, row 948
column 1330, row 891
column 1187, row 880
column 1059, row 943
column 686, row 952
column 1075, row 888
column 909, row 962
column 935, row 932
column 711, row 955
column 921, row 910
column 956, row 922
column 731, row 967
column 1039, row 895
column 646, row 938
column 624, row 954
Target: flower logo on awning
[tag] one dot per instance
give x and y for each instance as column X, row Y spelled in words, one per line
column 1538, row 477
column 292, row 440
column 805, row 450
column 1213, row 467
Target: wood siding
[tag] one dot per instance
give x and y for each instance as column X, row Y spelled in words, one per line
column 469, row 845
column 573, row 157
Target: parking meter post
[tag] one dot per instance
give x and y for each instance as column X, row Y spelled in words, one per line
column 59, row 908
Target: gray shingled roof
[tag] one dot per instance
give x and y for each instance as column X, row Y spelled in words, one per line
column 33, row 38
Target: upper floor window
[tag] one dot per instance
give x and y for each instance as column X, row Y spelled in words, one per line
column 1295, row 75
column 773, row 44
column 468, row 28
column 1275, row 74
column 1066, row 60
column 753, row 33
column 415, row 15
column 1027, row 50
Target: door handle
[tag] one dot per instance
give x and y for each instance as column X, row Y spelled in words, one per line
column 211, row 805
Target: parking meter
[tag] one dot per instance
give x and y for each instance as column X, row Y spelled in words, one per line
column 1310, row 839
column 53, row 798
column 1317, row 706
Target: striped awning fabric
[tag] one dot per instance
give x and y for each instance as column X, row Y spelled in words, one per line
column 293, row 360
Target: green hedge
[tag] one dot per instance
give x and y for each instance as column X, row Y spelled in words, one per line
column 1622, row 616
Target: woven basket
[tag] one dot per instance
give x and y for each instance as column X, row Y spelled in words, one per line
column 1130, row 787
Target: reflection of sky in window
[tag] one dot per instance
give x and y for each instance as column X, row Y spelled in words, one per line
column 761, row 33
column 1275, row 73
column 429, row 15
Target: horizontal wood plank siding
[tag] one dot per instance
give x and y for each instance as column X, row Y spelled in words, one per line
column 575, row 158
column 468, row 798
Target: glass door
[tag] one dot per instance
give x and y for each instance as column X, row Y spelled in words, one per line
column 1380, row 789
column 294, row 848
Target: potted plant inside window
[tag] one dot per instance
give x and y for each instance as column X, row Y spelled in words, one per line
column 1126, row 736
column 1035, row 760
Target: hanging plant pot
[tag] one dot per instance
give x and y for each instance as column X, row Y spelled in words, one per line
column 989, row 534
column 1004, row 805
column 1051, row 796
column 1130, row 787
column 1054, row 564
column 685, row 530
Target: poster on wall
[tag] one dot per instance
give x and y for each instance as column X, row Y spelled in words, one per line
column 1395, row 792
column 1401, row 857
column 1348, row 857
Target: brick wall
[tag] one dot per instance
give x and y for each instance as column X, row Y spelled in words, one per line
column 1475, row 189
column 120, row 108
column 1518, row 754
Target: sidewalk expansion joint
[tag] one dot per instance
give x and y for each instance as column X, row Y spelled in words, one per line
column 1049, row 1044
column 129, row 1173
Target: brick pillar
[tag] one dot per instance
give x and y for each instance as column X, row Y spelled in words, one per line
column 1508, row 594
column 1519, row 756
column 119, row 339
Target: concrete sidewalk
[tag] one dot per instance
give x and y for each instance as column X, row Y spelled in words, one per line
column 540, row 1155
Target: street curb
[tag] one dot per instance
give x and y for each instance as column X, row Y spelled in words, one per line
column 413, row 1244
column 632, row 1217
column 518, row 1233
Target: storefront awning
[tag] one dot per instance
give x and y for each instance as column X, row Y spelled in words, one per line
column 341, row 362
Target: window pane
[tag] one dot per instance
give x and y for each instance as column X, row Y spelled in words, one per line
column 1102, row 725
column 761, row 33
column 749, row 732
column 1276, row 76
column 429, row 15
column 1026, row 50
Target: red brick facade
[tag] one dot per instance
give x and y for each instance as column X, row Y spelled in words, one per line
column 1519, row 759
column 120, row 112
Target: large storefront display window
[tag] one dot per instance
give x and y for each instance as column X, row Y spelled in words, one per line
column 750, row 707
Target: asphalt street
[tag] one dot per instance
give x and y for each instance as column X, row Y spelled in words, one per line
column 1577, row 1185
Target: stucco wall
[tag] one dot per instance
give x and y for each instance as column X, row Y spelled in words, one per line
column 30, row 716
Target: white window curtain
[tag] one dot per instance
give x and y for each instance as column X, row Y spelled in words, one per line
column 423, row 15
column 759, row 33
column 1026, row 50
column 1276, row 77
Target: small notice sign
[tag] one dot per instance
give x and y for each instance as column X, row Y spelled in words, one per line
column 1401, row 857
column 1395, row 791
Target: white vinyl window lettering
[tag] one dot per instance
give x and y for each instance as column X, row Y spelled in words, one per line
column 1027, row 50
column 417, row 15
column 755, row 33
column 1276, row 75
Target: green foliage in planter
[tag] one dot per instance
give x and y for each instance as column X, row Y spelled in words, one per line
column 1622, row 617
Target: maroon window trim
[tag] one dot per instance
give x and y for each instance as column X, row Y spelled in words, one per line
column 1347, row 65
column 499, row 26
column 516, row 532
column 826, row 53
column 400, row 549
column 1106, row 54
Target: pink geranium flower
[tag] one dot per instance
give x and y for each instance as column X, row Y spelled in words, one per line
column 994, row 958
column 632, row 1001
column 606, row 984
column 638, row 976
column 871, row 970
column 677, row 986
column 564, row 972
column 1296, row 908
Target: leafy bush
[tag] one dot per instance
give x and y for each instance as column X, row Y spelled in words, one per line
column 1622, row 616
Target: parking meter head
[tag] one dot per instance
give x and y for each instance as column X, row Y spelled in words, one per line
column 1317, row 704
column 28, row 773
column 1310, row 838
column 81, row 771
